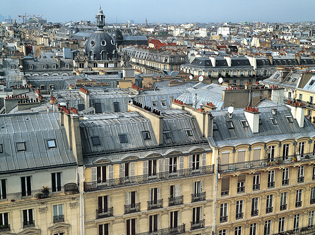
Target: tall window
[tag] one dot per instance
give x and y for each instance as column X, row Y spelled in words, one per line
column 301, row 174
column 238, row 230
column 197, row 188
column 271, row 179
column 56, row 182
column 131, row 226
column 127, row 174
column 103, row 229
column 103, row 204
column 301, row 148
column 116, row 107
column 296, row 222
column 172, row 164
column 26, row 186
column 252, row 229
column 4, row 220
column 256, row 182
column 28, row 218
column 285, row 153
column 272, row 152
column 281, row 224
column 283, row 201
column 3, row 189
column 154, row 195
column 58, row 213
column 174, row 219
column 195, row 162
column 241, row 184
column 101, row 174
column 311, row 219
column 225, row 186
column 223, row 212
column 255, row 206
column 153, row 223
column 222, row 232
column 267, row 227
column 152, row 167
column 285, row 176
column 312, row 195
column 269, row 204
column 131, row 199
column 298, row 198
column 239, row 209
column 196, row 215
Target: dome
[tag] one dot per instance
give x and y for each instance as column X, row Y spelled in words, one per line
column 117, row 36
column 100, row 12
column 100, row 46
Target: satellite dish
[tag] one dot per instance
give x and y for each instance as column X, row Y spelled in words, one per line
column 220, row 80
column 191, row 77
column 200, row 78
column 230, row 110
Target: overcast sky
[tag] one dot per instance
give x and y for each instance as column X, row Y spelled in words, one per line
column 164, row 11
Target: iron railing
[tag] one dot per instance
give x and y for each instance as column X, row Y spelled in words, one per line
column 254, row 212
column 299, row 231
column 58, row 218
column 298, row 204
column 312, row 201
column 256, row 186
column 283, row 207
column 172, row 201
column 165, row 231
column 301, row 179
column 196, row 197
column 223, row 219
column 269, row 209
column 239, row 215
column 4, row 227
column 271, row 184
column 197, row 224
column 154, row 204
column 225, row 193
column 241, row 189
column 131, row 208
column 27, row 224
column 285, row 182
column 144, row 179
column 103, row 213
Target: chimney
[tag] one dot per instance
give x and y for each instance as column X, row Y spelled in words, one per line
column 277, row 95
column 208, row 125
column 297, row 111
column 252, row 117
column 213, row 60
column 86, row 96
column 228, row 60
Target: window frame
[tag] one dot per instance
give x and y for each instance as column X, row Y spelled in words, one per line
column 54, row 144
column 123, row 138
column 18, row 146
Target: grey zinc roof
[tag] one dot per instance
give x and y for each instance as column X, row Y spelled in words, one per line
column 34, row 129
column 267, row 131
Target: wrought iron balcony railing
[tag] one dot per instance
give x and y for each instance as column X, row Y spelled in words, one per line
column 103, row 213
column 223, row 219
column 312, row 201
column 283, row 207
column 239, row 215
column 269, row 209
column 241, row 189
column 196, row 197
column 285, row 182
column 155, row 204
column 174, row 230
column 27, row 224
column 58, row 218
column 271, row 184
column 254, row 212
column 131, row 208
column 4, row 227
column 298, row 204
column 301, row 179
column 256, row 186
column 172, row 201
column 197, row 224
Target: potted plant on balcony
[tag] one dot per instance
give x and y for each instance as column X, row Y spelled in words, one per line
column 45, row 191
column 294, row 159
column 38, row 195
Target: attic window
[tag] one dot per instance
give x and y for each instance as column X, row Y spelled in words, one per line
column 116, row 107
column 54, row 66
column 154, row 103
column 215, row 126
column 123, row 138
column 146, row 135
column 96, row 141
column 167, row 135
column 51, row 144
column 230, row 124
column 289, row 119
column 294, row 79
column 244, row 123
column 189, row 133
column 163, row 102
column 274, row 121
column 1, row 148
column 20, row 146
column 312, row 82
column 276, row 76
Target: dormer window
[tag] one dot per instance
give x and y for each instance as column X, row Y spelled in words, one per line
column 67, row 66
column 189, row 132
column 244, row 123
column 54, row 66
column 154, row 103
column 274, row 121
column 230, row 125
column 44, row 66
column 30, row 67
column 20, row 146
column 167, row 135
column 289, row 119
column 163, row 102
column 51, row 144
column 146, row 135
column 215, row 126
column 92, row 43
column 123, row 138
column 95, row 141
column 1, row 148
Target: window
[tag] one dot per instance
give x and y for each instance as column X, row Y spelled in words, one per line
column 163, row 102
column 281, row 224
column 296, row 222
column 244, row 123
column 225, row 186
column 56, row 182
column 103, row 205
column 312, row 195
column 298, row 201
column 215, row 126
column 197, row 194
column 123, row 138
column 300, row 97
column 58, row 213
column 154, row 103
column 51, row 143
column 283, row 201
column 28, row 220
column 101, row 174
column 4, row 220
column 172, row 164
column 146, row 135
column 131, row 226
column 230, row 125
column 289, row 119
column 131, row 199
column 313, row 178
column 126, row 165
column 152, row 167
column 116, row 107
column 20, row 146
column 3, row 189
column 222, row 232
column 272, row 152
column 81, row 107
column 285, row 176
column 153, row 223
column 267, row 227
column 167, row 135
column 103, row 229
column 285, row 152
column 174, row 219
column 223, row 212
column 271, row 179
column 95, row 65
column 26, row 186
column 1, row 148
column 311, row 219
column 301, row 148
column 254, row 211
column 98, row 107
column 301, row 174
column 195, row 162
column 189, row 132
column 269, row 204
column 252, row 229
column 274, row 121
column 289, row 95
column 241, row 184
column 256, row 182
column 154, row 196
column 239, row 209
column 96, row 141
column 238, row 230
column 196, row 215
column 311, row 99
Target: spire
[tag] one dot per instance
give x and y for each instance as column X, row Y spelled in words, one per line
column 100, row 19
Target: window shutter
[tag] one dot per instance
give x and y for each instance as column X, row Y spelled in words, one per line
column 161, row 163
column 241, row 156
column 177, row 190
column 55, row 210
column 190, row 161
column 150, row 194
column 145, row 167
column 181, row 162
column 225, row 158
column 128, row 198
column 132, row 168
column 93, row 174
column 204, row 159
column 225, row 185
column 201, row 186
column 122, row 170
column 60, row 209
column 167, row 160
column 158, row 193
column 111, row 172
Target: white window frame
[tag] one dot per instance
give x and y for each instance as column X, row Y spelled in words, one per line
column 271, row 179
column 239, row 207
column 173, row 164
column 285, row 175
column 3, row 186
column 286, row 148
column 283, row 199
column 281, row 224
column 252, row 229
column 238, row 230
column 311, row 219
column 267, row 227
column 296, row 224
column 269, row 201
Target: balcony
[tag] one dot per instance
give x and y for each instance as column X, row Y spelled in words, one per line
column 27, row 224
column 285, row 182
column 283, row 207
column 198, row 197
column 4, row 227
column 155, row 204
column 58, row 218
column 103, row 213
column 256, row 186
column 175, row 230
column 197, row 224
column 225, row 193
column 239, row 215
column 223, row 219
column 271, row 184
column 299, row 231
column 131, row 208
column 301, row 179
column 173, row 201
column 262, row 163
column 241, row 189
column 298, row 204
column 269, row 209
column 312, row 201
column 254, row 212
column 144, row 179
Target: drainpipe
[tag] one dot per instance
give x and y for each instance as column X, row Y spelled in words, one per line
column 81, row 198
column 216, row 196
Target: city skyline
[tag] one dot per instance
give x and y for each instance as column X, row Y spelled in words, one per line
column 163, row 11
